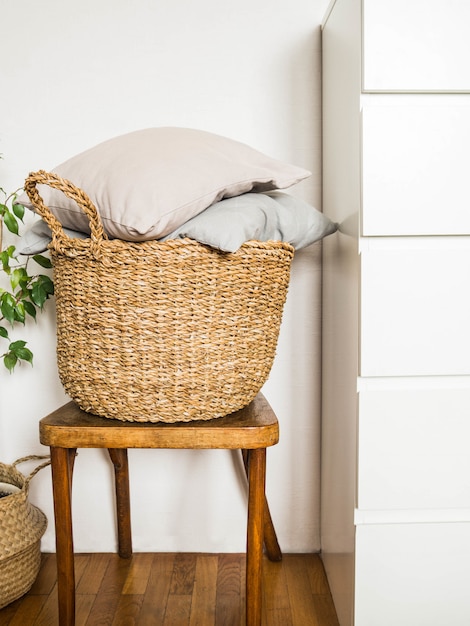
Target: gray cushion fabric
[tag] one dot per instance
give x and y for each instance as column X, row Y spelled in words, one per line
column 274, row 216
column 226, row 225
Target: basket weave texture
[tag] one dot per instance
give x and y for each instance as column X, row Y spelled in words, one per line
column 161, row 331
column 21, row 527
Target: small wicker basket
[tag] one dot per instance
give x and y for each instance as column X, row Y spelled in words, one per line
column 161, row 331
column 21, row 527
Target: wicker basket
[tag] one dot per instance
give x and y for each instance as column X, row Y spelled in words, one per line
column 21, row 527
column 161, row 331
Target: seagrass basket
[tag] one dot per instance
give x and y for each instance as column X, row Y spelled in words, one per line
column 161, row 331
column 21, row 527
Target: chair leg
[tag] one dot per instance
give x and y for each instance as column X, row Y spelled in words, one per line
column 62, row 460
column 254, row 550
column 123, row 508
column 271, row 542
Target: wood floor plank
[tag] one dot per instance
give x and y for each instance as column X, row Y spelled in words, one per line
column 107, row 600
column 8, row 612
column 276, row 600
column 49, row 613
column 158, row 589
column 95, row 567
column 325, row 610
column 178, row 590
column 300, row 594
column 27, row 611
column 204, row 591
column 139, row 574
column 324, row 606
column 128, row 610
column 81, row 563
column 278, row 617
column 83, row 606
column 182, row 579
column 316, row 573
column 178, row 610
column 230, row 597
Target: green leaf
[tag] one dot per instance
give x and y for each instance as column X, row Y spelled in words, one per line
column 7, row 307
column 10, row 222
column 47, row 284
column 17, row 276
column 10, row 360
column 3, row 332
column 3, row 207
column 5, row 260
column 18, row 210
column 20, row 351
column 24, row 284
column 42, row 288
column 38, row 294
column 17, row 345
column 20, row 314
column 30, row 308
column 7, row 297
column 43, row 261
column 24, row 354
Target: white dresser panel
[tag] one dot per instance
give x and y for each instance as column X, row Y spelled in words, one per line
column 413, row 445
column 421, row 45
column 415, row 307
column 413, row 575
column 415, row 163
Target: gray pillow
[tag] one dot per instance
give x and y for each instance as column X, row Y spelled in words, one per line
column 273, row 216
column 226, row 225
column 147, row 183
column 38, row 236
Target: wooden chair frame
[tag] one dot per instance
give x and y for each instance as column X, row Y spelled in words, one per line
column 250, row 430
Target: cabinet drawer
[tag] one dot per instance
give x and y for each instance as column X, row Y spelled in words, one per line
column 416, row 46
column 414, row 448
column 412, row 575
column 415, row 156
column 415, row 307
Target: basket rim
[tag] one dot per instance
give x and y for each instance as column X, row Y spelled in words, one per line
column 78, row 247
column 14, row 476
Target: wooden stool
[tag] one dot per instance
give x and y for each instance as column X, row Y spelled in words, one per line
column 250, row 430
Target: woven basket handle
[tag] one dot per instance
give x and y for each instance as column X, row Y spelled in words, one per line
column 71, row 191
column 33, row 457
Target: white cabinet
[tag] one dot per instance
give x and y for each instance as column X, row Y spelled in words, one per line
column 396, row 311
column 420, row 572
column 415, row 165
column 413, row 448
column 417, row 45
column 415, row 307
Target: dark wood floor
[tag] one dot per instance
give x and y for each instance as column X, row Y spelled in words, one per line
column 178, row 589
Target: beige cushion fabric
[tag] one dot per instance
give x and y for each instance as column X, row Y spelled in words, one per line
column 147, row 183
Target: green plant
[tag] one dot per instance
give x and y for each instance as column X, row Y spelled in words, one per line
column 27, row 291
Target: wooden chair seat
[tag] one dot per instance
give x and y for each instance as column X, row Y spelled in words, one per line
column 251, row 430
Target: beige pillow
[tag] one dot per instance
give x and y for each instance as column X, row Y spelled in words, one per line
column 147, row 183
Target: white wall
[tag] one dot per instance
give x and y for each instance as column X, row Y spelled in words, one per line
column 75, row 73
